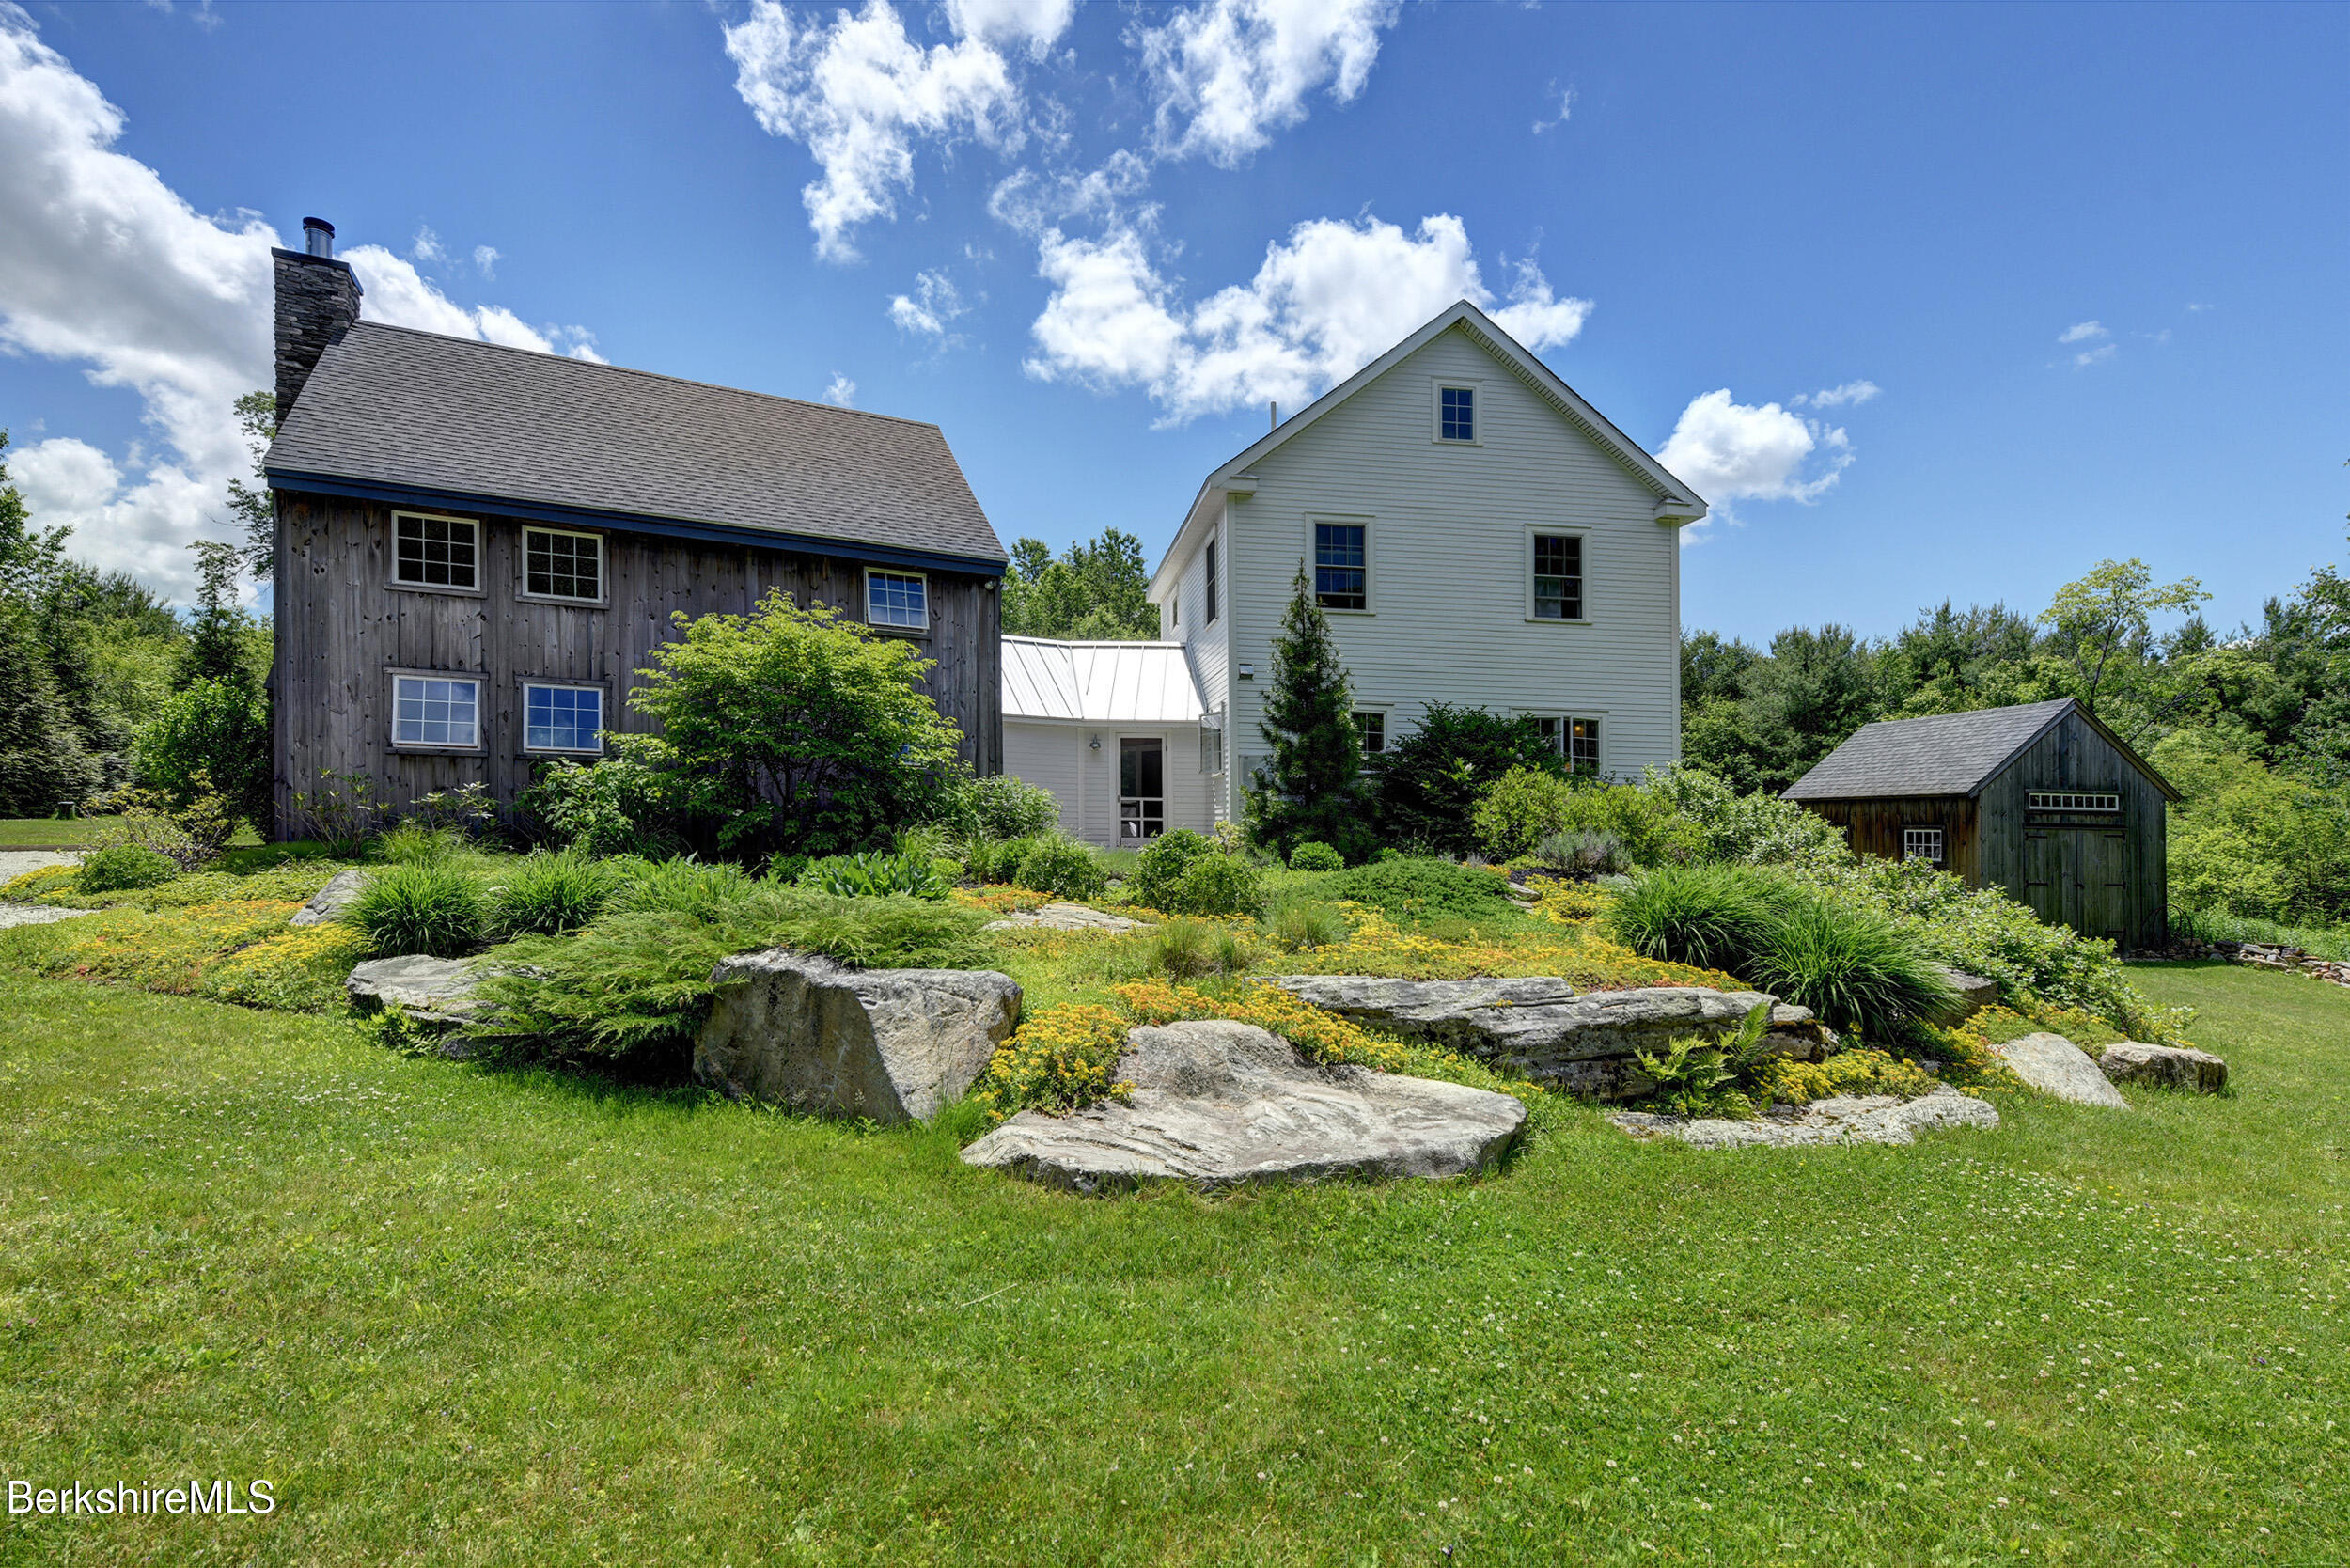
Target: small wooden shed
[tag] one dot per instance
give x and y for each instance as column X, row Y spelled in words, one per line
column 2042, row 800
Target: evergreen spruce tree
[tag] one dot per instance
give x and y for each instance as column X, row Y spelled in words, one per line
column 215, row 644
column 1313, row 787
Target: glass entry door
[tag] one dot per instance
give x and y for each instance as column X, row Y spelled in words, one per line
column 1141, row 788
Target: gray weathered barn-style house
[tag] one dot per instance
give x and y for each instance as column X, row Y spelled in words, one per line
column 477, row 546
column 2042, row 800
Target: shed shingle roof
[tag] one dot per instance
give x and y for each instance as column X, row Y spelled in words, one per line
column 1948, row 754
column 394, row 407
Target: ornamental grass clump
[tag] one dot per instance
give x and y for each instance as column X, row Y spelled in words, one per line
column 1184, row 949
column 1855, row 968
column 548, row 894
column 1714, row 916
column 434, row 910
column 683, row 885
column 1303, row 925
column 1063, row 1059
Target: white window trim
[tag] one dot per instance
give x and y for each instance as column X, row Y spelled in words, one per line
column 2100, row 802
column 1371, row 556
column 603, row 712
column 1385, row 713
column 1525, row 566
column 928, row 618
column 480, row 588
column 1941, row 843
column 603, row 570
column 481, row 682
column 1435, row 410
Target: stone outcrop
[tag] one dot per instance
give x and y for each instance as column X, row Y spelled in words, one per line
column 434, row 990
column 1843, row 1119
column 1217, row 1103
column 2164, row 1066
column 1545, row 1029
column 2054, row 1065
column 1065, row 917
column 892, row 1045
column 341, row 892
column 1974, row 992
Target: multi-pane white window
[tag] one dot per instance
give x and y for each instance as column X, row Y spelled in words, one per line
column 900, row 599
column 562, row 718
column 435, row 552
column 1372, row 728
column 1342, row 566
column 1456, row 414
column 1576, row 740
column 558, row 564
column 1922, row 843
column 1557, row 568
column 2071, row 800
column 436, row 710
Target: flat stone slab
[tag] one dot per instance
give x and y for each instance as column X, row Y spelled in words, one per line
column 1064, row 916
column 2054, row 1065
column 37, row 914
column 341, row 892
column 892, row 1045
column 1974, row 992
column 1842, row 1119
column 1543, row 1028
column 2164, row 1066
column 1219, row 1103
column 428, row 990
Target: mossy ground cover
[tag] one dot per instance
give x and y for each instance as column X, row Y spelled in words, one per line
column 464, row 1316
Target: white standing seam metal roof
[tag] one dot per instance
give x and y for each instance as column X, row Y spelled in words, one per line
column 1099, row 682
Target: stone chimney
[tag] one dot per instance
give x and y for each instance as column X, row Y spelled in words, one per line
column 317, row 298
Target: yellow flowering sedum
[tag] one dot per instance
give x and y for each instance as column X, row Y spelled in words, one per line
column 1063, row 1059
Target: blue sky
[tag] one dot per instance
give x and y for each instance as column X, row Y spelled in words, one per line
column 2073, row 276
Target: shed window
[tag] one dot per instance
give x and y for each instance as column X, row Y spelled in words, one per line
column 898, row 599
column 562, row 718
column 1922, row 843
column 436, row 552
column 562, row 565
column 2068, row 800
column 1342, row 566
column 436, row 711
column 1456, row 414
column 1558, row 576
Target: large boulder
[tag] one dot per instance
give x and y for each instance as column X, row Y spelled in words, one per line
column 2054, row 1065
column 1974, row 992
column 341, row 892
column 434, row 990
column 1842, row 1119
column 1216, row 1102
column 2164, row 1066
column 892, row 1045
column 1545, row 1029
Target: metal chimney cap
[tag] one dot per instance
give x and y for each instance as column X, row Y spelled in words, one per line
column 317, row 237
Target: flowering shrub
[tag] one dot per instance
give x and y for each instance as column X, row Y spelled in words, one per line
column 1063, row 1058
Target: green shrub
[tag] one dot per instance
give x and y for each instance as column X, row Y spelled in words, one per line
column 1418, row 889
column 1000, row 806
column 212, row 736
column 874, row 875
column 1426, row 784
column 124, row 866
column 416, row 844
column 546, row 894
column 997, row 860
column 1184, row 949
column 1301, row 925
column 436, row 910
column 1584, row 852
column 1061, row 866
column 1311, row 856
column 1162, row 864
column 1526, row 805
column 625, row 804
column 683, row 885
column 636, row 983
column 1215, row 885
column 1757, row 829
column 1712, row 916
column 1855, row 968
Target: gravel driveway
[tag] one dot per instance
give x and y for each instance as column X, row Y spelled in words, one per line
column 15, row 863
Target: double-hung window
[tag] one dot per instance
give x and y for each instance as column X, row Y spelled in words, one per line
column 1922, row 843
column 562, row 718
column 1342, row 566
column 897, row 599
column 436, row 711
column 1456, row 414
column 559, row 564
column 1576, row 741
column 1557, row 570
column 1373, row 728
column 436, row 552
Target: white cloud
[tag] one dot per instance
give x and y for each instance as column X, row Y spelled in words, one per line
column 1855, row 392
column 1028, row 201
column 1566, row 110
column 2082, row 331
column 1729, row 451
column 840, row 391
column 104, row 266
column 1326, row 301
column 2097, row 355
column 425, row 249
column 485, row 260
column 934, row 303
column 399, row 296
column 858, row 91
column 1032, row 25
column 2193, row 307
column 1227, row 73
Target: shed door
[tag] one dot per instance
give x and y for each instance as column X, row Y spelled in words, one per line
column 2079, row 877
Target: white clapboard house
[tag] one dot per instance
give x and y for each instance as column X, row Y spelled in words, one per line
column 1477, row 533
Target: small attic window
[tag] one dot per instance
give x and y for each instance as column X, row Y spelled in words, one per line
column 1456, row 414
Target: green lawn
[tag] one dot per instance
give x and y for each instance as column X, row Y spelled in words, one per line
column 68, row 833
column 463, row 1316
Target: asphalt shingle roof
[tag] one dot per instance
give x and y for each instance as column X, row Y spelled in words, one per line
column 1950, row 754
column 391, row 406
